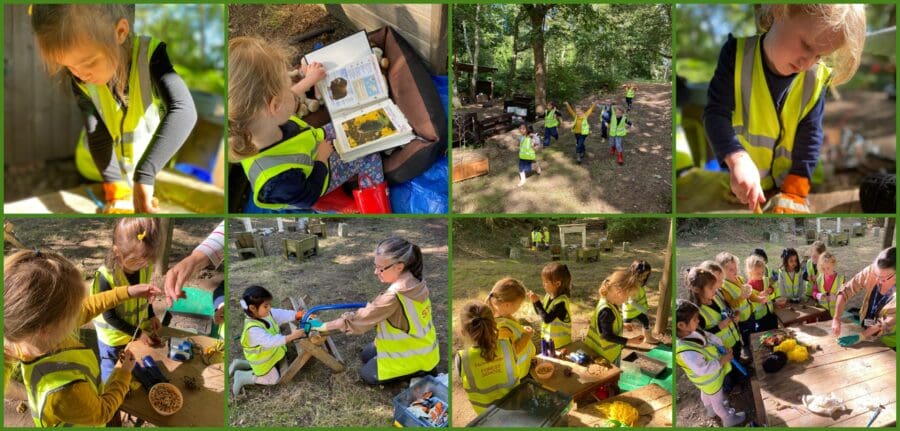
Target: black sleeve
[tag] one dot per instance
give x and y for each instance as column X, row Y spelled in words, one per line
column 720, row 104
column 605, row 322
column 219, row 294
column 809, row 140
column 100, row 143
column 177, row 118
column 702, row 321
column 110, row 315
column 293, row 187
column 558, row 312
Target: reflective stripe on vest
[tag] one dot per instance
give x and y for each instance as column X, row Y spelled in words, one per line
column 133, row 311
column 486, row 382
column 618, row 127
column 401, row 353
column 550, row 119
column 766, row 134
column 298, row 152
column 607, row 349
column 734, row 290
column 261, row 359
column 523, row 360
column 791, row 287
column 832, row 291
column 637, row 304
column 560, row 331
column 526, row 150
column 708, row 383
column 761, row 310
column 55, row 372
column 811, row 270
column 131, row 128
column 730, row 334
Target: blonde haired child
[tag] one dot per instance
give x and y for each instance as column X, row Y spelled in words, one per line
column 604, row 336
column 505, row 299
column 767, row 98
column 580, row 127
column 136, row 242
column 556, row 316
column 637, row 307
column 44, row 302
column 811, row 272
column 763, row 311
column 828, row 283
column 289, row 163
column 137, row 111
column 740, row 297
column 487, row 370
column 697, row 353
column 264, row 346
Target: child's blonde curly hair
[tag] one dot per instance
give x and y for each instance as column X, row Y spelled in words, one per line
column 849, row 20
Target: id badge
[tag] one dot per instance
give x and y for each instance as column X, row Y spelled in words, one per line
column 869, row 322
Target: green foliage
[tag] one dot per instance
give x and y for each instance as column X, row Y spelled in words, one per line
column 210, row 80
column 629, row 229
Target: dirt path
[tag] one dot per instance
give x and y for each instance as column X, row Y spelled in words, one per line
column 341, row 272
column 740, row 237
column 478, row 263
column 598, row 185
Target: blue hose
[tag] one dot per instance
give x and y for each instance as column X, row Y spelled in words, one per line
column 734, row 362
column 304, row 322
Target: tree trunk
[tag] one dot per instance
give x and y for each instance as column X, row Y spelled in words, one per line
column 476, row 42
column 511, row 76
column 664, row 308
column 537, row 15
column 468, row 47
column 888, row 238
column 166, row 227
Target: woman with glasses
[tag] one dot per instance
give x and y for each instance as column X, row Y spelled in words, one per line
column 877, row 315
column 405, row 339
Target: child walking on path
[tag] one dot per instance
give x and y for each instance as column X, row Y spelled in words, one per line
column 618, row 129
column 527, row 153
column 580, row 128
column 551, row 122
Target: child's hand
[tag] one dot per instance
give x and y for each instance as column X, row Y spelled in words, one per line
column 143, row 199
column 745, row 181
column 736, row 318
column 529, row 330
column 148, row 338
column 314, row 72
column 295, row 334
column 532, row 297
column 219, row 316
column 627, row 326
column 729, row 355
column 126, row 360
column 146, row 291
column 635, row 340
column 324, row 151
column 836, row 327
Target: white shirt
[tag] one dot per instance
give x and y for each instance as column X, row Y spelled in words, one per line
column 259, row 337
column 696, row 361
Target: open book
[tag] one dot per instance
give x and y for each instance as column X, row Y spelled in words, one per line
column 364, row 117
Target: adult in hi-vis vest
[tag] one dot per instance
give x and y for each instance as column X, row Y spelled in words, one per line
column 878, row 312
column 764, row 116
column 406, row 342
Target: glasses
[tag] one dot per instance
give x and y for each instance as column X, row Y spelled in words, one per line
column 882, row 278
column 380, row 270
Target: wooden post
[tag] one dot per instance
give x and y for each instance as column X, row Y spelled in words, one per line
column 248, row 227
column 162, row 257
column 888, row 234
column 664, row 308
column 280, row 223
column 818, row 227
column 838, row 225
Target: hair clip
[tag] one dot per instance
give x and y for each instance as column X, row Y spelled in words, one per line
column 142, row 235
column 37, row 252
column 244, row 304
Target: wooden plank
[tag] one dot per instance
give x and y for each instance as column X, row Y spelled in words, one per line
column 804, row 312
column 319, row 353
column 474, row 167
column 653, row 403
column 581, row 383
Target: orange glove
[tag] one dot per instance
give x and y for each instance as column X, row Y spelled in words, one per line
column 792, row 199
column 118, row 198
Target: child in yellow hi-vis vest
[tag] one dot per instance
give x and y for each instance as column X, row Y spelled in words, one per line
column 505, row 299
column 811, row 270
column 528, row 147
column 44, row 302
column 264, row 346
column 288, row 163
column 134, row 248
column 716, row 316
column 137, row 110
column 605, row 333
column 764, row 311
column 767, row 98
column 828, row 283
column 697, row 352
column 486, row 370
column 741, row 297
column 580, row 128
column 636, row 307
column 556, row 317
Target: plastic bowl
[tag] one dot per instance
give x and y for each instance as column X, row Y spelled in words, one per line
column 544, row 370
column 780, row 302
column 166, row 391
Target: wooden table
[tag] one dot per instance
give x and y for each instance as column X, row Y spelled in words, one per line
column 652, row 401
column 859, row 375
column 202, row 407
column 804, row 312
column 581, row 384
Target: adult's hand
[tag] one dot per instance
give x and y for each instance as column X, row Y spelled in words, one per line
column 143, row 199
column 181, row 272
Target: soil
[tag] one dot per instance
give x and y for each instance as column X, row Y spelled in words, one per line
column 341, row 272
column 478, row 262
column 740, row 237
column 280, row 23
column 598, row 185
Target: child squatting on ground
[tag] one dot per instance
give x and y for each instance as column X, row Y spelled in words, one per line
column 697, row 353
column 289, row 163
column 767, row 98
column 44, row 303
column 137, row 111
column 488, row 369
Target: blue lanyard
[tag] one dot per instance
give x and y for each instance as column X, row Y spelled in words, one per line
column 882, row 300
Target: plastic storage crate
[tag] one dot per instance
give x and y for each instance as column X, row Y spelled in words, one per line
column 402, row 418
column 630, row 380
column 527, row 405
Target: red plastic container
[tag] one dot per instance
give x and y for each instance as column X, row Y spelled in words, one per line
column 373, row 200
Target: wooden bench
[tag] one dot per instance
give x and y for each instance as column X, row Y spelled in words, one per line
column 249, row 246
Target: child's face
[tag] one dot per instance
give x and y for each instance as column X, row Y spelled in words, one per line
column 815, row 257
column 826, row 267
column 793, row 263
column 89, row 62
column 730, row 270
column 507, row 308
column 757, row 272
column 707, row 293
column 387, row 270
column 550, row 286
column 262, row 310
column 795, row 43
column 131, row 262
column 282, row 107
column 616, row 296
column 686, row 328
column 523, row 130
